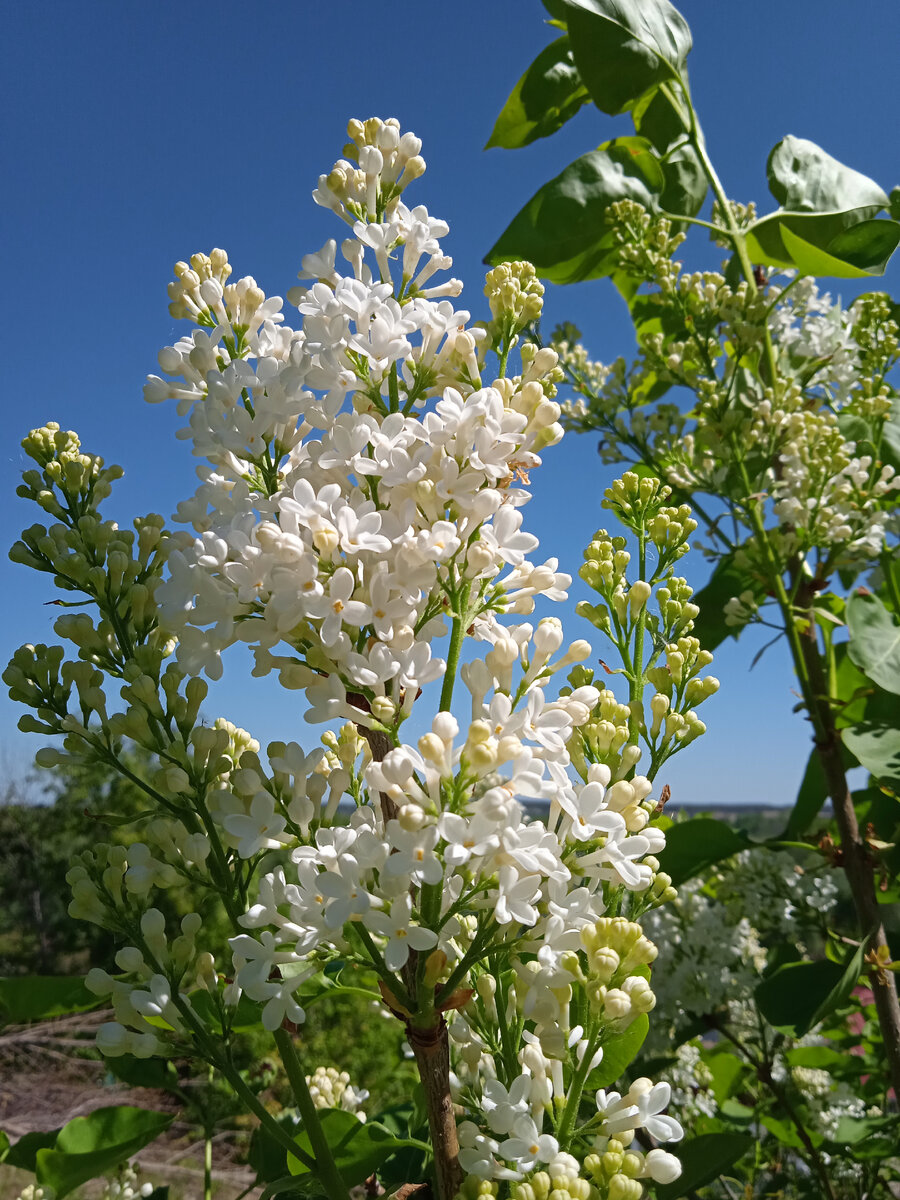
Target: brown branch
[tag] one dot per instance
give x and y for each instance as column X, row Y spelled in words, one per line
column 856, row 859
column 427, row 1031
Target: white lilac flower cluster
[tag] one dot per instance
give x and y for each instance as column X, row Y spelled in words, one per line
column 361, row 500
column 713, row 951
column 343, row 524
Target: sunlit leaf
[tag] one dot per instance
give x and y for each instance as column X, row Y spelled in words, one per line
column 548, row 94
column 619, row 1051
column 562, row 229
column 623, row 48
column 36, row 997
column 696, row 844
column 874, row 640
column 96, row 1144
column 804, row 178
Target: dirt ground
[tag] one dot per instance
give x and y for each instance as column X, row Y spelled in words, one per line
column 45, row 1081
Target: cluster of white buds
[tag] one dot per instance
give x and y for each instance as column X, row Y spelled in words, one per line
column 126, row 1185
column 383, row 163
column 330, row 1088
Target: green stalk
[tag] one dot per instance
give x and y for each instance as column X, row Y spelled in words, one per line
column 457, row 634
column 576, row 1089
column 738, row 239
column 326, row 1170
column 207, row 1138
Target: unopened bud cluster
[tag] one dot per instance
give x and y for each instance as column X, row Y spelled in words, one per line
column 650, row 622
column 380, row 163
column 330, row 1088
column 516, row 297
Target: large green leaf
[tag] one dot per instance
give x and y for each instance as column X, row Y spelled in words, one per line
column 685, row 183
column 562, row 229
column 702, row 1160
column 359, row 1148
column 660, row 117
column 93, row 1145
column 821, row 243
column 623, row 48
column 24, row 1153
column 618, row 1053
column 36, row 997
column 548, row 94
column 803, row 178
column 797, row 996
column 874, row 640
column 785, row 1132
column 890, row 438
column 696, row 844
column 726, row 1069
column 877, row 746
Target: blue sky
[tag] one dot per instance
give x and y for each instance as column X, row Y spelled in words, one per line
column 137, row 134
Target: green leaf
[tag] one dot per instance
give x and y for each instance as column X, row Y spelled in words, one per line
column 702, row 1160
column 726, row 1069
column 619, row 1052
column 815, row 243
column 867, row 245
column 685, row 183
column 874, row 640
column 144, row 1072
column 693, row 845
column 24, row 1153
column 266, row 1156
column 786, row 1133
column 4, row 1145
column 548, row 94
column 877, row 746
column 359, row 1148
column 661, row 119
column 855, row 429
column 851, row 1131
column 562, row 229
column 624, row 48
column 890, row 438
column 820, row 1057
column 803, row 178
column 798, row 996
column 93, row 1145
column 726, row 581
column 36, row 997
column 875, row 242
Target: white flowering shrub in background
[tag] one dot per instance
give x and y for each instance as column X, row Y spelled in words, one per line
column 359, row 517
